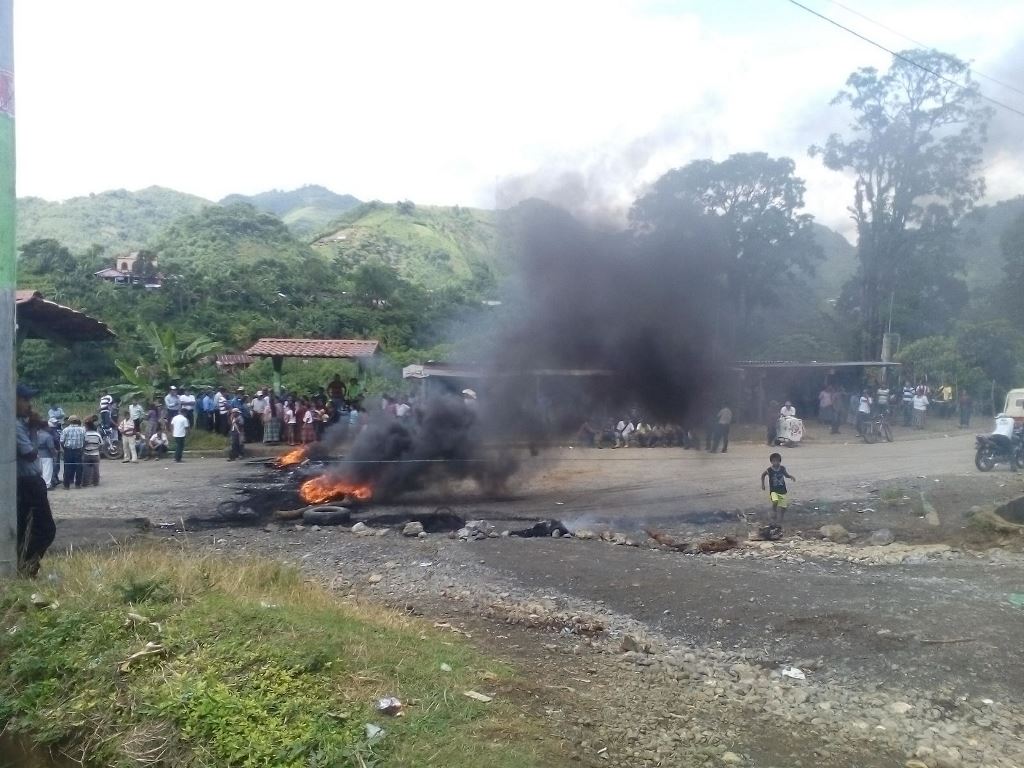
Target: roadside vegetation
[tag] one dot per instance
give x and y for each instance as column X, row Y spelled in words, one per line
column 161, row 657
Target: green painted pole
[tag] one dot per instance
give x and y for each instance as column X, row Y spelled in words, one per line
column 278, row 364
column 8, row 469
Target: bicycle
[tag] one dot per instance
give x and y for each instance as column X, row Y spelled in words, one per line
column 876, row 427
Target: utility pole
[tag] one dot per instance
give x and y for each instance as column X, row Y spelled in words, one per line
column 8, row 470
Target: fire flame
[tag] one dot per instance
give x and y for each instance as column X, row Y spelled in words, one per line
column 325, row 488
column 292, row 458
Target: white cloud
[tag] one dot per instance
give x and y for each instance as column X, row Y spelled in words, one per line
column 435, row 101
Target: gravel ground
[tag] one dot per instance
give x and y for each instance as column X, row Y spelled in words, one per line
column 642, row 656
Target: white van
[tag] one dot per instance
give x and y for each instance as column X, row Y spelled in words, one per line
column 1015, row 405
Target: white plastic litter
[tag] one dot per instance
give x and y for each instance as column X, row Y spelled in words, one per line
column 794, row 672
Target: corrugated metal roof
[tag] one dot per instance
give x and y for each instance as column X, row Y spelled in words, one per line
column 314, row 348
column 39, row 318
column 813, row 364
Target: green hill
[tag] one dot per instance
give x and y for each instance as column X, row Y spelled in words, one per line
column 430, row 246
column 306, row 210
column 117, row 220
column 224, row 237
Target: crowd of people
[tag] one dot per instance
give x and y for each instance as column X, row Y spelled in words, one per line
column 156, row 430
column 912, row 404
column 633, row 431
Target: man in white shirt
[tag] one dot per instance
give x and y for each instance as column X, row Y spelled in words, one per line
column 863, row 410
column 1004, row 426
column 222, row 420
column 179, row 428
column 106, row 405
column 172, row 402
column 787, row 409
column 260, row 407
column 920, row 404
column 188, row 406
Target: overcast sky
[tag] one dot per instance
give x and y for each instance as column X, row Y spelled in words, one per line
column 464, row 102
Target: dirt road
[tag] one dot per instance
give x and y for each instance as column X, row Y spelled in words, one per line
column 900, row 656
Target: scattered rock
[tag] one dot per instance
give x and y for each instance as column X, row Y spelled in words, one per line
column 731, row 758
column 834, row 532
column 900, row 707
column 362, row 529
column 883, row 537
column 583, row 533
column 413, row 528
column 375, row 578
column 630, row 644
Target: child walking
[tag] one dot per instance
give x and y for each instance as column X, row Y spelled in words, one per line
column 776, row 475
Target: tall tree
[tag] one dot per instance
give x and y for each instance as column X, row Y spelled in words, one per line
column 915, row 148
column 755, row 201
column 1012, row 245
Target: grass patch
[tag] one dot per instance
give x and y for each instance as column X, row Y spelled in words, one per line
column 892, row 497
column 202, row 440
column 247, row 665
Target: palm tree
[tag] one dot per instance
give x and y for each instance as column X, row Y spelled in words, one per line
column 171, row 363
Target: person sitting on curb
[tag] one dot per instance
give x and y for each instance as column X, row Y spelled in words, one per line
column 158, row 442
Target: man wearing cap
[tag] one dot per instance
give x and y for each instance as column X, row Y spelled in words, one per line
column 172, row 403
column 36, row 528
column 259, row 406
column 188, row 406
column 72, row 441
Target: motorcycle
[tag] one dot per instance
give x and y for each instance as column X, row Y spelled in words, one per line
column 999, row 449
column 110, row 442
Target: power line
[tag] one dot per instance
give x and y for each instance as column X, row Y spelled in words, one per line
column 906, row 59
column 922, row 45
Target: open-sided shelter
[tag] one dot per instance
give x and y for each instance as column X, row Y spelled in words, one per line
column 342, row 349
column 38, row 318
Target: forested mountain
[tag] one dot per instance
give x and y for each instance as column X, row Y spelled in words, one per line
column 117, row 220
column 306, row 211
column 980, row 248
column 430, row 246
column 406, row 274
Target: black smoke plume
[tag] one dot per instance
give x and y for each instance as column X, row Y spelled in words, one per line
column 597, row 323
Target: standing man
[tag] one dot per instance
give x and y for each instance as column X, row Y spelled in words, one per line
column 863, row 411
column 908, row 403
column 966, row 405
column 223, row 415
column 56, row 413
column 106, row 405
column 179, row 428
column 172, row 403
column 127, row 429
column 135, row 413
column 36, row 528
column 188, row 406
column 259, row 406
column 920, row 405
column 724, row 421
column 91, row 454
column 72, row 441
column 208, row 410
